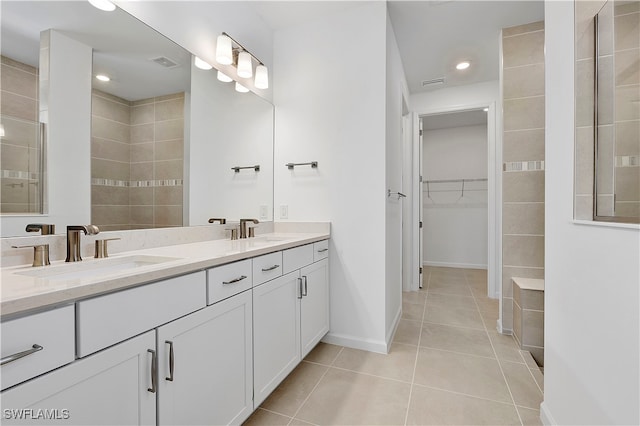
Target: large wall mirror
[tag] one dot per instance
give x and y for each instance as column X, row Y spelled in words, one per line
column 165, row 135
column 617, row 112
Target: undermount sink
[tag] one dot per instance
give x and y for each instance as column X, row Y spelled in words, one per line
column 96, row 268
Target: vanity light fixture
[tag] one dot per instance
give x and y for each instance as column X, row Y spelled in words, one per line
column 224, row 78
column 240, row 88
column 463, row 65
column 1, row 130
column 103, row 77
column 105, row 5
column 203, row 65
column 230, row 52
column 486, row 109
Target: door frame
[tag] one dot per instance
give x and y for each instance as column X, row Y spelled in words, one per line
column 494, row 188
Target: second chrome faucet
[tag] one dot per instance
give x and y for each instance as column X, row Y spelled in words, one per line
column 73, row 240
column 243, row 227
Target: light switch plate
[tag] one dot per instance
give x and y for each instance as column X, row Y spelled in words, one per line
column 264, row 214
column 284, row 212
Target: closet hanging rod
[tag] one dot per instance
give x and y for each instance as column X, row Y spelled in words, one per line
column 455, row 180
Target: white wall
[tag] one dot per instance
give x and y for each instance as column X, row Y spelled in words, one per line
column 68, row 144
column 455, row 97
column 396, row 90
column 196, row 25
column 455, row 228
column 220, row 138
column 325, row 112
column 592, row 326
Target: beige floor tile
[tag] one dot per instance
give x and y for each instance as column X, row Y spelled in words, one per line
column 451, row 301
column 538, row 377
column 505, row 346
column 528, row 359
column 398, row 364
column 449, row 272
column 490, row 319
column 298, row 422
column 467, row 374
column 417, row 297
column 454, row 316
column 323, row 353
column 487, row 304
column 529, row 417
column 464, row 340
column 344, row 397
column 449, row 288
column 412, row 311
column 435, row 407
column 292, row 392
column 523, row 387
column 408, row 332
column 478, row 290
column 447, row 280
column 262, row 417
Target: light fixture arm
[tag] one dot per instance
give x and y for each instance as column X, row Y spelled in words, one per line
column 243, row 48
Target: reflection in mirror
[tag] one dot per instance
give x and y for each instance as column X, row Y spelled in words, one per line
column 617, row 112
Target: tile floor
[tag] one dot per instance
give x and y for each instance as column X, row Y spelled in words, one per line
column 447, row 365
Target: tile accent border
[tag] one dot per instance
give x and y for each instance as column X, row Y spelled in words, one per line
column 19, row 174
column 628, row 161
column 523, row 166
column 136, row 183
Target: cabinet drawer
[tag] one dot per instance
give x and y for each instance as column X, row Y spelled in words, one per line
column 267, row 267
column 53, row 330
column 320, row 250
column 106, row 320
column 297, row 257
column 227, row 280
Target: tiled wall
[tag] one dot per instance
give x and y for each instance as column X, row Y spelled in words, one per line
column 20, row 148
column 137, row 155
column 615, row 123
column 523, row 156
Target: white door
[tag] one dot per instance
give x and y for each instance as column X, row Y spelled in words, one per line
column 205, row 365
column 420, row 205
column 276, row 332
column 314, row 305
column 111, row 387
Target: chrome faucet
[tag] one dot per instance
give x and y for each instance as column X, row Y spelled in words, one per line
column 243, row 226
column 43, row 228
column 73, row 240
column 222, row 220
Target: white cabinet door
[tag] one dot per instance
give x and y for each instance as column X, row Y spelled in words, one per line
column 314, row 310
column 276, row 333
column 211, row 381
column 108, row 388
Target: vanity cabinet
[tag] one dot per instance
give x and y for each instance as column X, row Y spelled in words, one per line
column 205, row 373
column 111, row 387
column 291, row 315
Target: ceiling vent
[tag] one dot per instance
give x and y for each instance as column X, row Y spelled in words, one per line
column 435, row 81
column 165, row 62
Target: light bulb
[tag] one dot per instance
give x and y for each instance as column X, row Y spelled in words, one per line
column 245, row 67
column 463, row 65
column 103, row 77
column 202, row 64
column 1, row 130
column 105, row 5
column 224, row 55
column 240, row 88
column 224, row 78
column 262, row 77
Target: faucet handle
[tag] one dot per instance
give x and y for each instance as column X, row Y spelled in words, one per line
column 44, row 228
column 40, row 254
column 101, row 247
column 234, row 232
column 222, row 220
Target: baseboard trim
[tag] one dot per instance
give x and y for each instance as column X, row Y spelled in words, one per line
column 391, row 332
column 455, row 265
column 545, row 416
column 378, row 346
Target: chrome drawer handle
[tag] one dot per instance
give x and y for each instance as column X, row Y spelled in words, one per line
column 323, row 250
column 235, row 280
column 271, row 268
column 171, row 363
column 15, row 357
column 154, row 370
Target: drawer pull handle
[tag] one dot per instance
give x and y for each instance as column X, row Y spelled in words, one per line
column 235, row 280
column 270, row 268
column 15, row 357
column 323, row 250
column 305, row 286
column 300, row 288
column 154, row 370
column 170, row 378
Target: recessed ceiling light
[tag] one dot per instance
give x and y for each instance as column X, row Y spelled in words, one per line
column 103, row 77
column 105, row 5
column 203, row 65
column 463, row 65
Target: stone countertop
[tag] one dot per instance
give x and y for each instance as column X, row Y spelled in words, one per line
column 21, row 293
column 529, row 283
